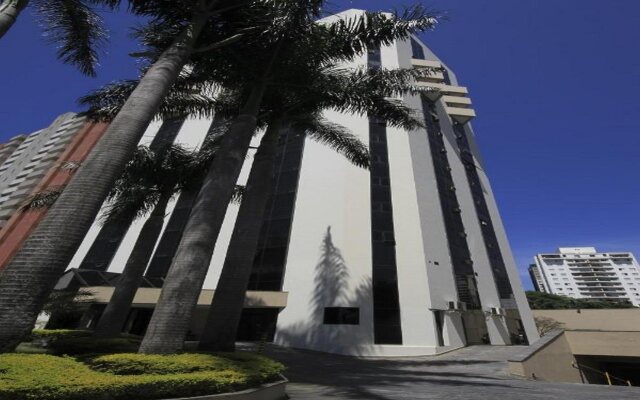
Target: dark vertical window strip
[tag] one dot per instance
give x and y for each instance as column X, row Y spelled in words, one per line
column 271, row 256
column 496, row 259
column 456, row 235
column 172, row 234
column 170, row 239
column 106, row 244
column 417, row 50
column 387, row 327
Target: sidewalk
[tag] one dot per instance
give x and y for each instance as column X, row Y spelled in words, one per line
column 477, row 372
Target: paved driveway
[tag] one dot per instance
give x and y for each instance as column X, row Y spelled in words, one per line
column 477, row 372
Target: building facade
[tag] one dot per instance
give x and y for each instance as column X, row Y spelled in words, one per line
column 36, row 165
column 31, row 159
column 585, row 273
column 410, row 257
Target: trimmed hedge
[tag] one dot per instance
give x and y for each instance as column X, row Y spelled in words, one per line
column 90, row 345
column 259, row 367
column 55, row 334
column 46, row 377
column 75, row 342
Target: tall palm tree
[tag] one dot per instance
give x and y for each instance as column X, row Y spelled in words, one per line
column 148, row 183
column 220, row 330
column 363, row 88
column 72, row 25
column 299, row 43
column 301, row 108
column 190, row 26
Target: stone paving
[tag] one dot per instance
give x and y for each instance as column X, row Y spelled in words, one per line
column 477, row 372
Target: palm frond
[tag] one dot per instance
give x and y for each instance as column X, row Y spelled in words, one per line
column 77, row 30
column 352, row 36
column 136, row 202
column 336, row 137
column 191, row 95
column 105, row 103
column 42, row 200
column 148, row 177
column 395, row 113
column 69, row 165
column 238, row 192
column 211, row 144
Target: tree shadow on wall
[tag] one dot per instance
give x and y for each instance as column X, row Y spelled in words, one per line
column 332, row 289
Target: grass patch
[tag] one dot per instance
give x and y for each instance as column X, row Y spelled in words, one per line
column 131, row 376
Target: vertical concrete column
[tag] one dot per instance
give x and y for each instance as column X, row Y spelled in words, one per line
column 454, row 335
column 498, row 330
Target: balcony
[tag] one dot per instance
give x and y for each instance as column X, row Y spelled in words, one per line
column 457, row 104
column 434, row 76
column 461, row 115
column 425, row 63
column 450, row 90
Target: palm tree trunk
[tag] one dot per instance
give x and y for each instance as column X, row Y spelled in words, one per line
column 222, row 322
column 172, row 316
column 9, row 12
column 115, row 315
column 30, row 277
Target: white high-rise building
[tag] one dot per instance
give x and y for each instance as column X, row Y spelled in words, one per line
column 585, row 273
column 410, row 257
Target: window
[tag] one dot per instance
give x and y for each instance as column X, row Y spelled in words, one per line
column 341, row 316
column 417, row 50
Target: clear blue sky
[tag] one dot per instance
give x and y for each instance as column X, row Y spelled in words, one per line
column 556, row 85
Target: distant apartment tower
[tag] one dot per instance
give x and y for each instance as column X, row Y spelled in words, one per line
column 584, row 273
column 31, row 159
column 7, row 149
column 33, row 163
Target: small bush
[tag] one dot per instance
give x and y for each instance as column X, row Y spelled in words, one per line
column 46, row 377
column 90, row 345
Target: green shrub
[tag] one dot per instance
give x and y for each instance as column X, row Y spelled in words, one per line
column 90, row 345
column 55, row 334
column 46, row 377
column 258, row 367
column 138, row 364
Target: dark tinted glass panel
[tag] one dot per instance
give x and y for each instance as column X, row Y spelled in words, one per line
column 496, row 260
column 386, row 304
column 417, row 50
column 161, row 260
column 271, row 256
column 108, row 240
column 104, row 247
column 93, row 278
column 456, row 236
column 341, row 316
column 257, row 324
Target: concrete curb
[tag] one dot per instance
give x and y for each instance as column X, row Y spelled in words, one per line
column 268, row 391
column 538, row 345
